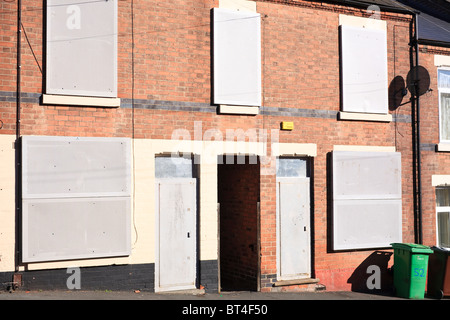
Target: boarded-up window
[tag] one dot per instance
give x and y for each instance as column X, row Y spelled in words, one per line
column 237, row 57
column 292, row 167
column 76, row 198
column 81, row 48
column 174, row 167
column 364, row 81
column 367, row 199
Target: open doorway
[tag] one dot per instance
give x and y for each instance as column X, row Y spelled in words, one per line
column 238, row 195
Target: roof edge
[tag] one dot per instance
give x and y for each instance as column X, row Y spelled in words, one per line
column 436, row 43
column 366, row 4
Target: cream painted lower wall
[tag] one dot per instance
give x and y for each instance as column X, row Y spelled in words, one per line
column 143, row 211
column 145, row 152
column 7, row 200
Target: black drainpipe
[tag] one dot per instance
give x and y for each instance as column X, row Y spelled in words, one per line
column 19, row 65
column 419, row 175
column 17, row 145
column 415, row 119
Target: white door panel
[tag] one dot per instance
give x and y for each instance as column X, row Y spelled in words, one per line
column 293, row 228
column 176, row 234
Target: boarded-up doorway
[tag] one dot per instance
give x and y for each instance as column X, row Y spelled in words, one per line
column 293, row 219
column 238, row 195
column 176, row 220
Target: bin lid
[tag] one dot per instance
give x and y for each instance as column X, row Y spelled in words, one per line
column 412, row 247
column 441, row 249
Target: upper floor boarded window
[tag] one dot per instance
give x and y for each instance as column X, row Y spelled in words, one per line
column 81, row 48
column 364, row 77
column 237, row 57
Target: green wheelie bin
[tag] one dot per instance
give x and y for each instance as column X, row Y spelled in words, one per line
column 410, row 269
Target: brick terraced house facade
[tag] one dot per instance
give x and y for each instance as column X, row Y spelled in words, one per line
column 212, row 144
column 433, row 47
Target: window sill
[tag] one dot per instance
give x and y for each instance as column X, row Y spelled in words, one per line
column 81, row 101
column 362, row 148
column 244, row 110
column 364, row 116
column 443, row 147
column 295, row 282
column 440, row 180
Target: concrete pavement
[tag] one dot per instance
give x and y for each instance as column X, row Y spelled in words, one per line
column 194, row 296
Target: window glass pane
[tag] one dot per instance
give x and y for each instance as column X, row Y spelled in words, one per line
column 445, row 116
column 444, row 79
column 443, row 229
column 291, row 167
column 173, row 167
column 443, row 197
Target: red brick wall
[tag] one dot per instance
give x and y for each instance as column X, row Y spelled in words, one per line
column 433, row 163
column 172, row 62
column 301, row 70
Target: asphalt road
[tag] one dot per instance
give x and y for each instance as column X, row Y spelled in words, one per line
column 227, row 305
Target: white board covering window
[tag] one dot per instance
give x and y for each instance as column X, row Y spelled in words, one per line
column 367, row 199
column 364, row 80
column 444, row 104
column 237, row 57
column 81, row 48
column 76, row 198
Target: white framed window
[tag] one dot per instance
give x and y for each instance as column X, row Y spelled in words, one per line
column 443, row 216
column 444, row 104
column 81, row 44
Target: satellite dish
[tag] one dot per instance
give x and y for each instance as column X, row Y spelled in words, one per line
column 397, row 90
column 418, row 81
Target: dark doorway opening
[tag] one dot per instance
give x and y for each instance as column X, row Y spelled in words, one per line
column 238, row 195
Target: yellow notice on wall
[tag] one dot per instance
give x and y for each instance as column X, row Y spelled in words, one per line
column 287, row 125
